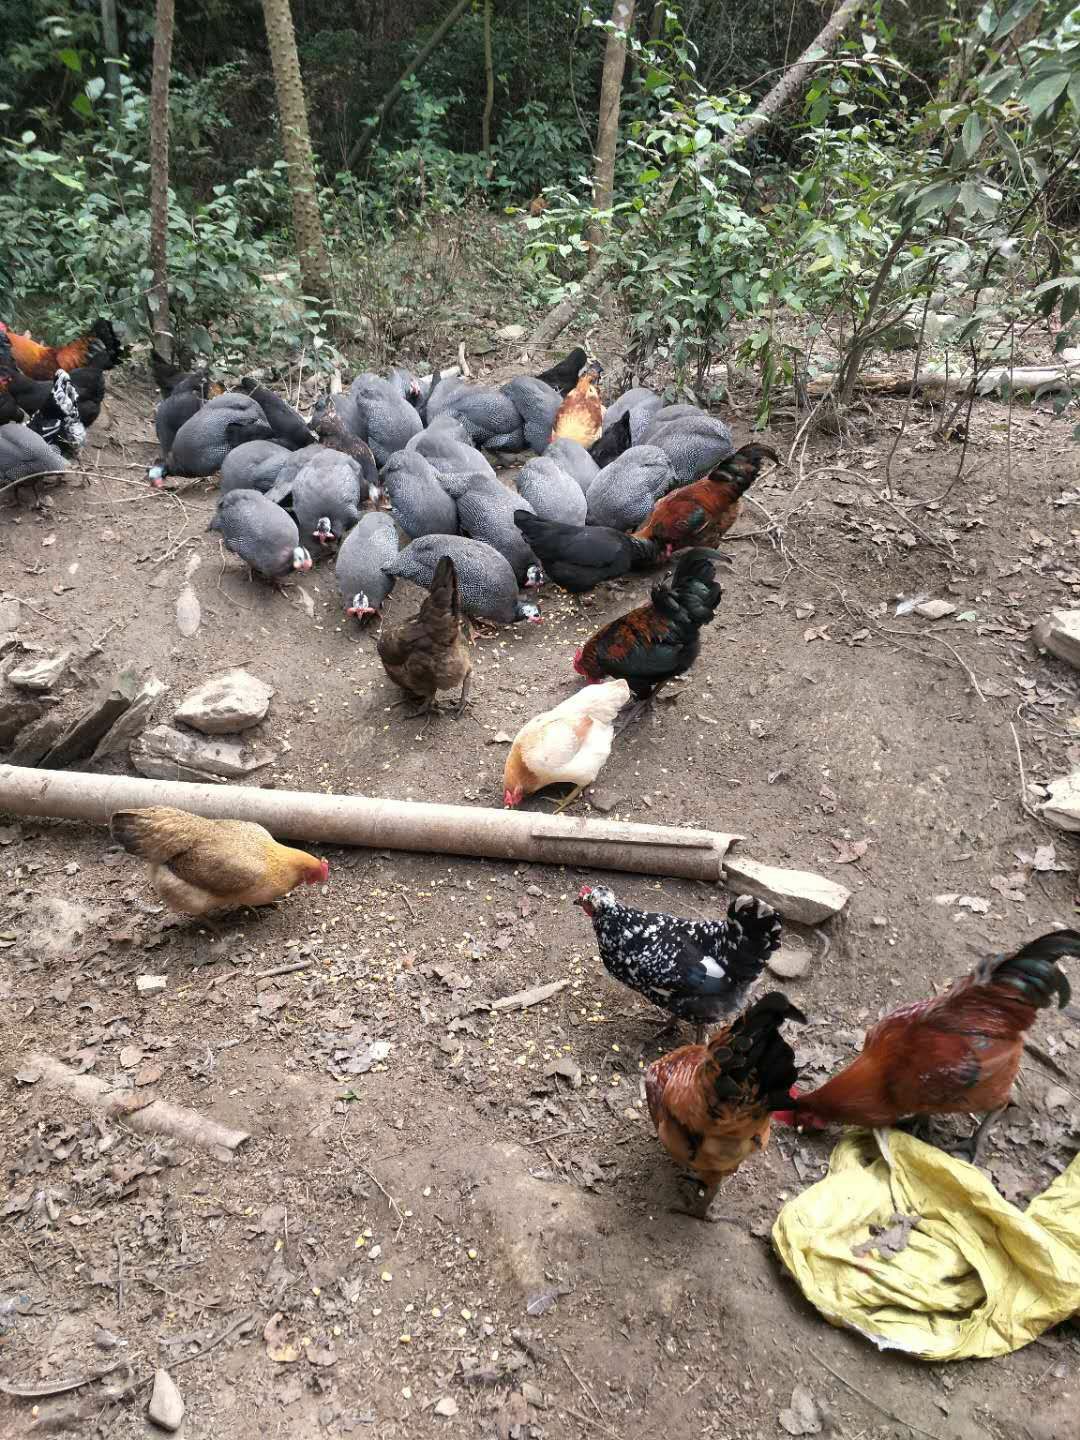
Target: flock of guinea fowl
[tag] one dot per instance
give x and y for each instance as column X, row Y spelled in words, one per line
column 607, row 492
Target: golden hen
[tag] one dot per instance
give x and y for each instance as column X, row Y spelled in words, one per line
column 567, row 745
column 580, row 417
column 199, row 866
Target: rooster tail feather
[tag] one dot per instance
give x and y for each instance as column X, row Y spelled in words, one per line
column 1033, row 969
column 757, row 927
column 751, row 1054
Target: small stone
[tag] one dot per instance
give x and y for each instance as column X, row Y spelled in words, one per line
column 501, row 738
column 446, row 1406
column 605, row 800
column 566, row 1067
column 533, row 1396
column 134, row 720
column 511, row 333
column 935, row 609
column 163, row 753
column 799, row 895
column 36, row 740
column 1059, row 633
column 150, row 984
column 188, row 612
column 16, row 712
column 9, row 612
column 82, row 735
column 40, row 675
column 166, row 1408
column 791, row 960
column 1062, row 807
column 227, row 703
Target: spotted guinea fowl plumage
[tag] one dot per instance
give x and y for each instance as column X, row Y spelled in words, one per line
column 387, row 422
column 537, row 404
column 488, row 416
column 445, row 444
column 486, row 581
column 420, row 504
column 260, row 533
column 692, row 441
column 24, row 454
column 326, row 499
column 624, row 492
column 551, row 493
column 697, row 970
column 371, row 544
column 640, row 404
column 201, row 443
column 289, row 427
column 574, row 460
column 255, row 465
column 486, row 512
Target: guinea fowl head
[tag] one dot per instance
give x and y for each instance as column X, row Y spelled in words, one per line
column 360, row 606
column 301, row 560
column 534, row 577
column 324, row 531
column 527, row 611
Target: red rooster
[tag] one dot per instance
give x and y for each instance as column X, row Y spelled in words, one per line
column 956, row 1053
column 699, row 514
column 41, row 362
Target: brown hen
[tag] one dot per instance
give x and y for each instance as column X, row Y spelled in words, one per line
column 580, row 417
column 428, row 653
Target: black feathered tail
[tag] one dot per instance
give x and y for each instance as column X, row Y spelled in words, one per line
column 753, row 1056
column 1033, row 969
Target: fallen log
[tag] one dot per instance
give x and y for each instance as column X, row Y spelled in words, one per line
column 1022, row 380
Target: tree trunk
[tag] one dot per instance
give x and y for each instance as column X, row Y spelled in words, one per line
column 157, row 297
column 296, row 143
column 489, row 93
column 391, row 97
column 607, row 130
column 789, row 84
column 110, row 38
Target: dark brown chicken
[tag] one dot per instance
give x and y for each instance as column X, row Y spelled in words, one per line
column 581, row 415
column 41, row 362
column 428, row 653
column 711, row 1104
column 700, row 513
column 334, row 434
column 958, row 1052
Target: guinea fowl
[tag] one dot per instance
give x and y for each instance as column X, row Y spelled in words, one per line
column 385, row 421
column 693, row 441
column 260, row 533
column 574, row 460
column 419, row 503
column 361, row 579
column 624, row 492
column 334, row 434
column 615, row 441
column 428, row 653
column 580, row 557
column 25, row 456
column 485, row 510
column 445, row 444
column 202, row 442
column 564, row 376
column 290, row 429
column 407, row 386
column 537, row 404
column 550, row 492
column 174, row 379
column 326, row 499
column 488, row 588
column 640, row 404
column 255, row 465
column 488, row 416
column 188, row 394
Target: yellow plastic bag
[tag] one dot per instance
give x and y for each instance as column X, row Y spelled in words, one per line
column 977, row 1278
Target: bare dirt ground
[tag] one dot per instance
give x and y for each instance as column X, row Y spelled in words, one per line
column 454, row 1239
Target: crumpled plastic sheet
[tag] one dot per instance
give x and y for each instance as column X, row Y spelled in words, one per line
column 977, row 1278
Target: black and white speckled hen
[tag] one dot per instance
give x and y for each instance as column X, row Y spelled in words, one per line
column 696, row 970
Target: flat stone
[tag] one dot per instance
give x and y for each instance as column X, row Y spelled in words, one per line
column 799, row 895
column 16, row 712
column 35, row 742
column 39, row 675
column 511, row 332
column 225, row 704
column 134, row 720
column 1062, row 808
column 81, row 737
column 166, row 1408
column 10, row 611
column 163, row 753
column 791, row 961
column 150, row 984
column 605, row 800
column 1059, row 632
column 935, row 609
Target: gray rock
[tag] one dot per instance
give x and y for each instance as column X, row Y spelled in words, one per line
column 511, row 332
column 163, row 753
column 605, row 800
column 166, row 1408
column 40, row 675
column 1062, row 807
column 134, row 720
column 935, row 609
column 1059, row 633
column 10, row 609
column 791, row 961
column 16, row 711
column 33, row 743
column 226, row 704
column 799, row 895
column 81, row 737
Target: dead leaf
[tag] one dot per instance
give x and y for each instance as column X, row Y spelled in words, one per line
column 804, row 612
column 888, row 1240
column 543, row 1300
column 500, row 738
column 322, row 1354
column 974, row 903
column 304, row 602
column 27, row 1076
column 848, row 851
column 188, row 612
column 150, row 1073
column 802, row 1416
column 447, row 1406
column 281, row 1344
column 130, row 1056
column 817, row 632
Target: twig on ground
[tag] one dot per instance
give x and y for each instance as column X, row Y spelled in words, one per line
column 1025, row 804
column 584, row 1388
column 389, row 1198
column 881, row 1409
column 289, row 969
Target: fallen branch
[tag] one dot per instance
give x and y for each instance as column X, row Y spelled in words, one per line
column 524, row 998
column 786, row 88
column 290, row 969
column 156, row 1118
column 1021, row 380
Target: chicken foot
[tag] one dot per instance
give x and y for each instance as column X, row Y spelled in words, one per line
column 703, row 1210
column 567, row 800
column 981, row 1134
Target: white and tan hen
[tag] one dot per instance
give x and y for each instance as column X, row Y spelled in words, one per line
column 565, row 746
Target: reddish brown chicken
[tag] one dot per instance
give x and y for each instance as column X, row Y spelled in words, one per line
column 699, row 514
column 41, row 362
column 711, row 1103
column 956, row 1053
column 580, row 417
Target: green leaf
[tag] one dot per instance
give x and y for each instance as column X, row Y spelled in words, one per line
column 987, row 19
column 971, row 137
column 1012, row 154
column 70, row 58
column 823, row 262
column 1042, row 92
column 69, row 180
column 1012, row 17
column 81, row 105
column 941, row 196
